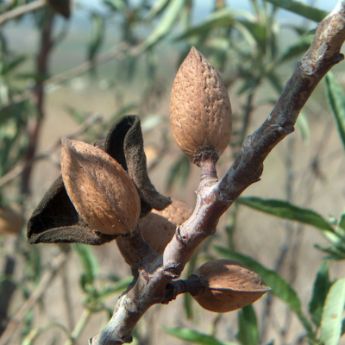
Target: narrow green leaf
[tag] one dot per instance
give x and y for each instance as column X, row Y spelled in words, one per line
column 297, row 48
column 341, row 222
column 118, row 287
column 192, row 336
column 13, row 64
column 97, row 36
column 188, row 305
column 221, row 18
column 284, row 209
column 304, row 10
column 336, row 99
column 303, row 126
column 257, row 30
column 331, row 323
column 279, row 286
column 164, row 27
column 116, row 5
column 157, row 8
column 179, row 172
column 321, row 286
column 275, row 81
column 88, row 261
column 248, row 333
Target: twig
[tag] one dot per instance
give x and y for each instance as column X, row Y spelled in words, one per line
column 80, row 326
column 213, row 197
column 67, row 298
column 60, row 78
column 42, row 70
column 21, row 10
column 18, row 318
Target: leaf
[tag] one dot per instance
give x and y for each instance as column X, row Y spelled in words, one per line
column 157, row 8
column 248, row 333
column 331, row 323
column 179, row 172
column 119, row 286
column 192, row 336
column 97, row 36
column 257, row 30
column 88, row 261
column 164, row 27
column 279, row 286
column 303, row 126
column 321, row 286
column 304, row 10
column 116, row 5
column 221, row 18
column 285, row 210
column 13, row 64
column 341, row 222
column 336, row 99
column 297, row 48
column 275, row 81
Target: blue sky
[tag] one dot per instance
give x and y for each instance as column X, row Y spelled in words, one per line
column 204, row 6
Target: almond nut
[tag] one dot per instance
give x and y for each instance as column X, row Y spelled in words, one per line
column 158, row 227
column 99, row 188
column 228, row 286
column 200, row 110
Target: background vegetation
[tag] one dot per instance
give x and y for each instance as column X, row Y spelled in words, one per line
column 74, row 77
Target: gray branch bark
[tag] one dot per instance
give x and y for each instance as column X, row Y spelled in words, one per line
column 155, row 273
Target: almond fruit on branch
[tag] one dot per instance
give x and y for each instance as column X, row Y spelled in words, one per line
column 158, row 227
column 102, row 193
column 228, row 286
column 99, row 188
column 200, row 112
column 220, row 286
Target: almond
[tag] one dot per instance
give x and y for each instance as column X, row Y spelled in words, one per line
column 228, row 286
column 158, row 227
column 200, row 110
column 99, row 188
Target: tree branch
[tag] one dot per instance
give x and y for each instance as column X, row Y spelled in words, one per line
column 18, row 318
column 213, row 197
column 21, row 10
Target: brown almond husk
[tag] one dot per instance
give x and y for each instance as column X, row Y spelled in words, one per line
column 11, row 221
column 200, row 110
column 228, row 286
column 99, row 188
column 55, row 219
column 158, row 227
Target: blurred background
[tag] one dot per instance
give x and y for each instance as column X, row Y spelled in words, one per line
column 73, row 69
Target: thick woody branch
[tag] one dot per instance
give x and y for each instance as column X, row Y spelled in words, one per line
column 213, row 198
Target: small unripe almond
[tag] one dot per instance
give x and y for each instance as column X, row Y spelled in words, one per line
column 99, row 188
column 10, row 221
column 200, row 111
column 228, row 286
column 158, row 227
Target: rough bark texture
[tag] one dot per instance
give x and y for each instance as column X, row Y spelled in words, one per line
column 156, row 275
